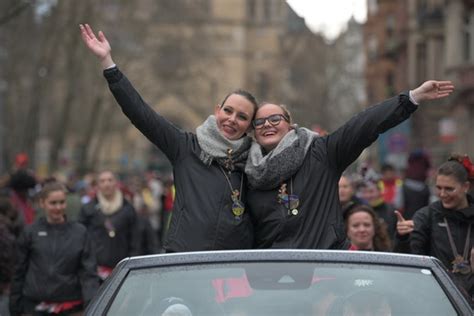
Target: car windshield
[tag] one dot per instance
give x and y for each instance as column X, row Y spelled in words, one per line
column 269, row 288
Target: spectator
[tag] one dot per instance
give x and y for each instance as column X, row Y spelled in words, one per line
column 443, row 229
column 365, row 231
column 347, row 195
column 415, row 192
column 112, row 224
column 390, row 185
column 55, row 270
column 371, row 193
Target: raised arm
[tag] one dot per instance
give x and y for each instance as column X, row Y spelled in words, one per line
column 347, row 143
column 156, row 128
column 98, row 45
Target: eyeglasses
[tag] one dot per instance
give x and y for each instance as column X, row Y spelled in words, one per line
column 273, row 119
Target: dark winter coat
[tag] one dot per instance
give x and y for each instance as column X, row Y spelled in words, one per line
column 125, row 242
column 55, row 263
column 415, row 195
column 319, row 223
column 387, row 216
column 430, row 236
column 202, row 217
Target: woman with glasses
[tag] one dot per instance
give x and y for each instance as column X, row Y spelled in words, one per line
column 444, row 229
column 209, row 210
column 293, row 173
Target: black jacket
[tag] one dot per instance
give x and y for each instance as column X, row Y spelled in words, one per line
column 319, row 224
column 124, row 243
column 54, row 263
column 202, row 217
column 430, row 236
column 386, row 214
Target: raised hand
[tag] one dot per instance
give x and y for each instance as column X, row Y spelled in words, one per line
column 404, row 226
column 432, row 90
column 98, row 45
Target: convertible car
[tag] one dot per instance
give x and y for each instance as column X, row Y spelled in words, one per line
column 279, row 282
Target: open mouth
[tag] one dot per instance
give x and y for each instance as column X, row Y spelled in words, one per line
column 269, row 133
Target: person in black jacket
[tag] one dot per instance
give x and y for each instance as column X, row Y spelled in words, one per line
column 112, row 224
column 293, row 173
column 444, row 229
column 56, row 268
column 209, row 211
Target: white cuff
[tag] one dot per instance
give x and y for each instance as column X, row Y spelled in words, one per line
column 114, row 65
column 412, row 99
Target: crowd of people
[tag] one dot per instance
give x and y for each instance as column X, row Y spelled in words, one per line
column 61, row 237
column 247, row 178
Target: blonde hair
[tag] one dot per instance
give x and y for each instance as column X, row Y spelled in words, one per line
column 283, row 107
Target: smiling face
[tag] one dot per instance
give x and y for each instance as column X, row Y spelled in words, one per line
column 269, row 135
column 361, row 230
column 234, row 117
column 54, row 205
column 451, row 192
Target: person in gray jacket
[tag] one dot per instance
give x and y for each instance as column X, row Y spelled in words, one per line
column 209, row 210
column 293, row 173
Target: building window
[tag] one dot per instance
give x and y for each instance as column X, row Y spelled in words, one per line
column 267, row 10
column 468, row 36
column 372, row 7
column 251, row 9
column 372, row 47
column 421, row 62
column 390, row 26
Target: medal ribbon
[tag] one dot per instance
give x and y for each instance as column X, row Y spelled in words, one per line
column 453, row 245
column 236, row 198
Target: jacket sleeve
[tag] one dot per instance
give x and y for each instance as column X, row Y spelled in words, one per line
column 348, row 142
column 88, row 271
column 22, row 256
column 420, row 237
column 156, row 128
column 402, row 243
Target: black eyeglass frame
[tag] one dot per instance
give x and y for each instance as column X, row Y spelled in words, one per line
column 260, row 122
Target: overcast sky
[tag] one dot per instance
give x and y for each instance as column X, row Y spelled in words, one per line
column 329, row 16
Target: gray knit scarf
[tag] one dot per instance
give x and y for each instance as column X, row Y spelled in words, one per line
column 214, row 146
column 269, row 171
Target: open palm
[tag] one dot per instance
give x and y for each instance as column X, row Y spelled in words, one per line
column 98, row 45
column 432, row 89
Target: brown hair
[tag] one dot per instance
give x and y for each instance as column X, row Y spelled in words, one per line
column 247, row 95
column 455, row 169
column 51, row 186
column 381, row 240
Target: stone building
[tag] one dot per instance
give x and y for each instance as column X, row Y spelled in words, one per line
column 249, row 44
column 385, row 46
column 410, row 41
